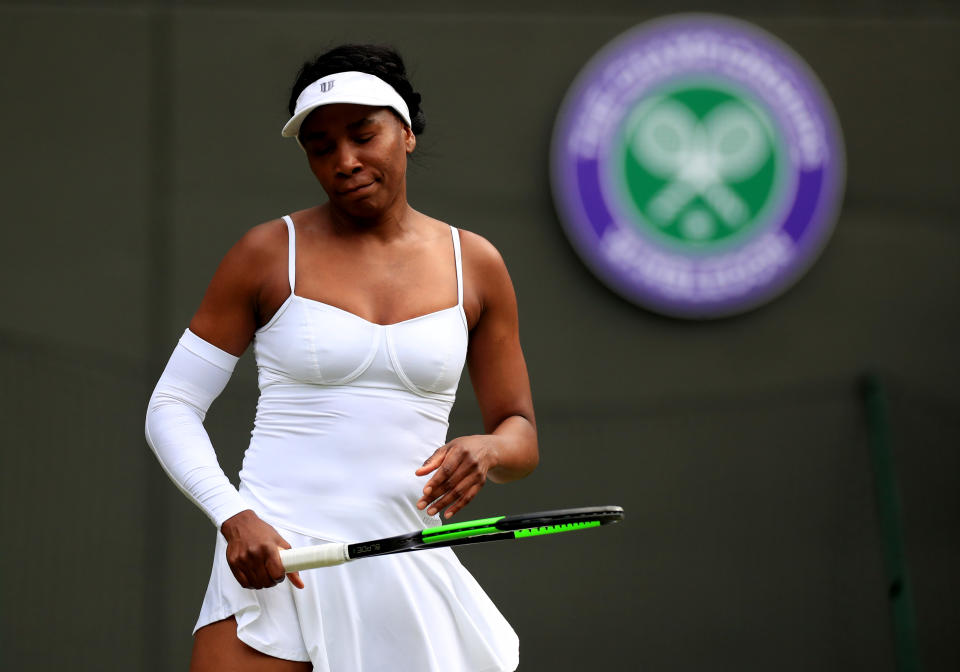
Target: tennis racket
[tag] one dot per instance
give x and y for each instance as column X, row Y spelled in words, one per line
column 469, row 532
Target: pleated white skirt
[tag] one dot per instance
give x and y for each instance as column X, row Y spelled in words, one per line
column 416, row 612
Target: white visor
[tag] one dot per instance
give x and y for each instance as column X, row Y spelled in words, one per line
column 358, row 88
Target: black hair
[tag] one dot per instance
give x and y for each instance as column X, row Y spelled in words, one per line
column 380, row 61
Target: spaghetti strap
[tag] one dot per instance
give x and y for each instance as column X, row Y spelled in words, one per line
column 456, row 256
column 292, row 252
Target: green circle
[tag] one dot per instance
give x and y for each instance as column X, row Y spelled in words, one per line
column 700, row 166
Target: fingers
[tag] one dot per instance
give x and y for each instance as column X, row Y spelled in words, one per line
column 239, row 575
column 274, row 567
column 445, row 461
column 257, row 564
column 252, row 572
column 445, row 483
column 433, row 461
column 457, row 500
column 294, row 576
column 459, row 477
column 249, row 566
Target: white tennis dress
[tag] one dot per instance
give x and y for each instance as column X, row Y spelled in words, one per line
column 348, row 411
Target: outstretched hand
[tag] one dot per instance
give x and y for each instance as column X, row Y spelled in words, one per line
column 253, row 552
column 461, row 468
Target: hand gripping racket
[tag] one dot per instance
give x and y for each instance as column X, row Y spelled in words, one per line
column 469, row 532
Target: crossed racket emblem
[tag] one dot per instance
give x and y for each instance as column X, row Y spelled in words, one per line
column 698, row 157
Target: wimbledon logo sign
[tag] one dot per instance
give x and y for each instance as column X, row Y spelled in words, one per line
column 697, row 166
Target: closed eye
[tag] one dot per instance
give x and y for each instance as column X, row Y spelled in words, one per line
column 318, row 150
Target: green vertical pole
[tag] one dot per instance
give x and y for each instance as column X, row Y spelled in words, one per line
column 891, row 527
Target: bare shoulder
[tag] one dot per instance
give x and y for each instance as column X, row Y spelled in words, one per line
column 261, row 242
column 480, row 254
column 228, row 313
column 488, row 289
column 432, row 227
column 249, row 260
column 256, row 256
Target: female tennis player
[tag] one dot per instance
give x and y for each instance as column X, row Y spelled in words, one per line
column 362, row 312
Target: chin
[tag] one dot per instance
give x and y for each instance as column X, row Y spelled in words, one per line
column 361, row 209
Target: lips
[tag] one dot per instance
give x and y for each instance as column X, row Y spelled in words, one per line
column 356, row 189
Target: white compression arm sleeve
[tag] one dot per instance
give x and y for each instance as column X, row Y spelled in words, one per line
column 195, row 375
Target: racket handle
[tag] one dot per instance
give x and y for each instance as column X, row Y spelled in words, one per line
column 309, row 557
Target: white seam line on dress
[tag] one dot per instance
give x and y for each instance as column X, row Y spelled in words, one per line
column 392, row 353
column 371, row 355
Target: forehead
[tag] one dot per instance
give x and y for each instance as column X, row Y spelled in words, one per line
column 342, row 116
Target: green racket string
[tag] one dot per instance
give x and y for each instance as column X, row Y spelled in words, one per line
column 554, row 529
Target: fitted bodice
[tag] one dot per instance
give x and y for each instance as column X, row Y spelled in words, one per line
column 348, row 410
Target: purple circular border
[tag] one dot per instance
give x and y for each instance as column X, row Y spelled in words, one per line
column 585, row 215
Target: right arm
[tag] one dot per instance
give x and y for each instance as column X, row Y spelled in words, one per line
column 196, row 374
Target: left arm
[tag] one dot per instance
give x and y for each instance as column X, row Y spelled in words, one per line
column 508, row 451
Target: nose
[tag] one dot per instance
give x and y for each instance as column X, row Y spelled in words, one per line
column 347, row 162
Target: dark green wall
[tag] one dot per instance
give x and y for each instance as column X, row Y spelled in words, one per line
column 141, row 139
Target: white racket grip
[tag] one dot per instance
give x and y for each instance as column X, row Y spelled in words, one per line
column 310, row 557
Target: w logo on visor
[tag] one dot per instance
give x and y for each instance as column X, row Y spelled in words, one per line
column 326, row 86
